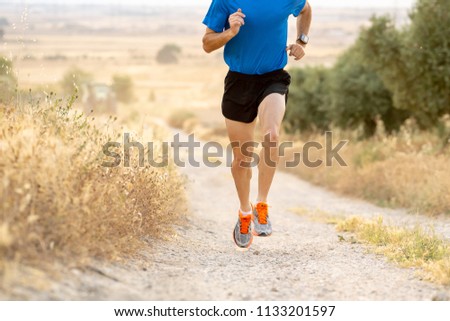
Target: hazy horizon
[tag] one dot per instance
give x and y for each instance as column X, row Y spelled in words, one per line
column 205, row 3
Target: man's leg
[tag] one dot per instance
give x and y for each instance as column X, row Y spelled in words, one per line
column 271, row 113
column 240, row 134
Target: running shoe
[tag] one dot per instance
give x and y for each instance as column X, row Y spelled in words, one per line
column 261, row 221
column 242, row 233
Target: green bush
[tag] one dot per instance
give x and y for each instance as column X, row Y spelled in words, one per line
column 414, row 63
column 8, row 82
column 73, row 81
column 349, row 96
column 168, row 54
column 358, row 97
column 388, row 75
column 123, row 88
column 307, row 98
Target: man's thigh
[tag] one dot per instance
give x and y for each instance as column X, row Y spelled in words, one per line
column 271, row 113
column 241, row 135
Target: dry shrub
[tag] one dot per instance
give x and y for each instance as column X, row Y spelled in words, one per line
column 419, row 182
column 404, row 170
column 58, row 201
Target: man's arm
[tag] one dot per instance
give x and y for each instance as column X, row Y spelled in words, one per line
column 303, row 24
column 215, row 40
column 304, row 20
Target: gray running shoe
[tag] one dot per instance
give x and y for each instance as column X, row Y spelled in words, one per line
column 242, row 234
column 261, row 221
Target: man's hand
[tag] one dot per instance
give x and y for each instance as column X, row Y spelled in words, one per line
column 296, row 50
column 236, row 21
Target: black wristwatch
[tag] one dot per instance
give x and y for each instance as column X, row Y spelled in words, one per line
column 303, row 39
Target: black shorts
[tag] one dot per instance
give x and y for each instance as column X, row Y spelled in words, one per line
column 244, row 93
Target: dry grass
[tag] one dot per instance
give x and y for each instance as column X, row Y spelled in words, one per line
column 407, row 247
column 405, row 170
column 58, row 202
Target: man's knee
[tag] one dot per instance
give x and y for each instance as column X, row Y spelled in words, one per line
column 272, row 135
column 241, row 162
column 272, row 139
column 271, row 145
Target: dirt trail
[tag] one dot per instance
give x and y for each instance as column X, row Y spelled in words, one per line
column 303, row 260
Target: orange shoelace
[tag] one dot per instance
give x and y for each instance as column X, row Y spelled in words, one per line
column 263, row 212
column 245, row 223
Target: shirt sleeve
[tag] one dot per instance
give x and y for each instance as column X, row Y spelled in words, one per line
column 300, row 4
column 217, row 17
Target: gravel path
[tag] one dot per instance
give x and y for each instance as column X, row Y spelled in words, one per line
column 303, row 260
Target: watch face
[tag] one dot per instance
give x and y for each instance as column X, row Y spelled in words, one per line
column 304, row 38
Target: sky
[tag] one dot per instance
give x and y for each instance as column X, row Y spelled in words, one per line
column 205, row 3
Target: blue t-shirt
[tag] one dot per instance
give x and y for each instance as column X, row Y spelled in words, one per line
column 260, row 45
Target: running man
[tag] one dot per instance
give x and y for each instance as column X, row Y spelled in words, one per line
column 255, row 34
